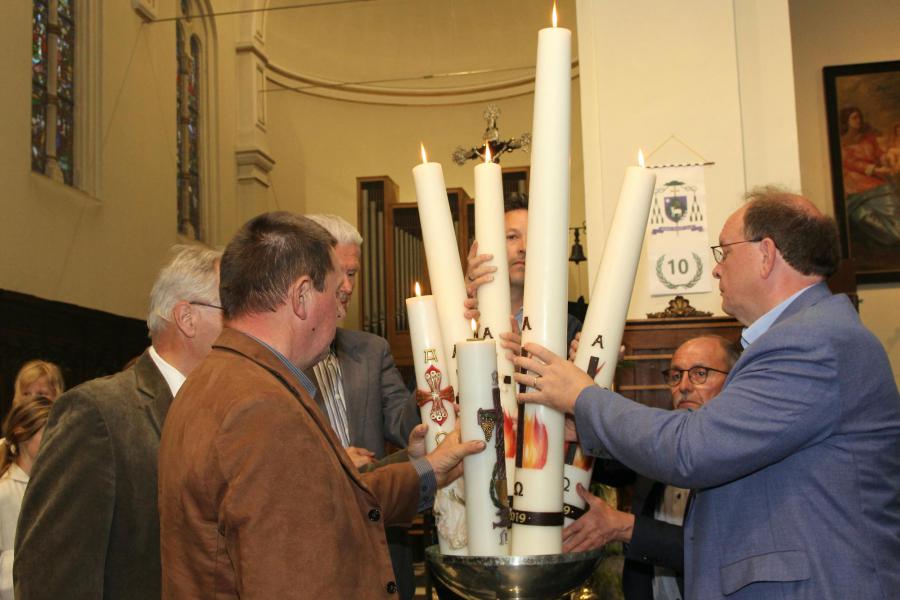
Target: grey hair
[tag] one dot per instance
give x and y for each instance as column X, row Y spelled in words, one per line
column 191, row 275
column 339, row 228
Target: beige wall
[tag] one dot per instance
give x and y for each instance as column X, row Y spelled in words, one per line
column 836, row 32
column 102, row 249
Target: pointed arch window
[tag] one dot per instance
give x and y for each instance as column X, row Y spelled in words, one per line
column 53, row 89
column 189, row 121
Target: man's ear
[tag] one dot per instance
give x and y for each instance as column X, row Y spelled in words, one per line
column 185, row 318
column 769, row 253
column 301, row 297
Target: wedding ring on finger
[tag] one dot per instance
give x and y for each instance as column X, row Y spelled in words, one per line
column 534, row 382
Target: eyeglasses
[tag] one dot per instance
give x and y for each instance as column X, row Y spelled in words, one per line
column 216, row 306
column 696, row 375
column 719, row 254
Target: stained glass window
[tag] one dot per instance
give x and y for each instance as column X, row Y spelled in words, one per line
column 53, row 89
column 188, row 106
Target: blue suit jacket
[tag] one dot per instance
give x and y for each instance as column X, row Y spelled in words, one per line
column 796, row 462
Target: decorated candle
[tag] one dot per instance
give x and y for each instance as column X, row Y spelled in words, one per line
column 481, row 418
column 604, row 323
column 537, row 492
column 442, row 256
column 435, row 398
column 493, row 297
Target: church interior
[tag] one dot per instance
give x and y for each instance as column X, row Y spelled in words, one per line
column 176, row 121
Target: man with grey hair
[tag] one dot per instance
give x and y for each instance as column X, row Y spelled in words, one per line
column 361, row 391
column 90, row 509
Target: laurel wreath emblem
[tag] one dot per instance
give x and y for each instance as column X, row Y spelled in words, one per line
column 662, row 278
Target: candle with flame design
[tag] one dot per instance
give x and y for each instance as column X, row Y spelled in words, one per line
column 493, row 297
column 537, row 493
column 442, row 256
column 481, row 418
column 604, row 323
column 435, row 397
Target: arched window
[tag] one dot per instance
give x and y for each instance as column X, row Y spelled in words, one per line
column 53, row 89
column 189, row 120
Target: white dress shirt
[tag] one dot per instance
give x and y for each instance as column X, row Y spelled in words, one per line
column 12, row 489
column 172, row 375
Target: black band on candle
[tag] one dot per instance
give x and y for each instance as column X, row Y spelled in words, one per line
column 537, row 519
column 571, row 449
column 572, row 512
column 520, row 437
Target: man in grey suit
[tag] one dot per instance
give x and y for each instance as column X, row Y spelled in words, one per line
column 361, row 391
column 796, row 465
column 89, row 525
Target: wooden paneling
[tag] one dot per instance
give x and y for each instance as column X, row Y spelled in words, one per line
column 85, row 343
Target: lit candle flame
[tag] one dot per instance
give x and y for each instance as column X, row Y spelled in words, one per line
column 424, row 156
column 554, row 13
column 474, row 328
column 418, row 289
column 487, row 153
column 640, row 157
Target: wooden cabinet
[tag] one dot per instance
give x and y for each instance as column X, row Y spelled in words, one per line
column 393, row 254
column 393, row 257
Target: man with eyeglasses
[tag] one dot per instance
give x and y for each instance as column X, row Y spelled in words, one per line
column 652, row 532
column 89, row 526
column 796, row 465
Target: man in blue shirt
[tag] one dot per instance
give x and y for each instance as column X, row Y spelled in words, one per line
column 796, row 465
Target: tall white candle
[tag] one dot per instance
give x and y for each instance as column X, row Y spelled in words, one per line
column 442, row 256
column 435, row 398
column 604, row 323
column 481, row 418
column 537, row 494
column 493, row 297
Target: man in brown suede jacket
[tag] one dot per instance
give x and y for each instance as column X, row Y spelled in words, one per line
column 257, row 497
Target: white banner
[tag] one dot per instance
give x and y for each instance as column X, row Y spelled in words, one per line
column 677, row 234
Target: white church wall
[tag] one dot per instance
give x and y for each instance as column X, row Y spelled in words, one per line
column 103, row 249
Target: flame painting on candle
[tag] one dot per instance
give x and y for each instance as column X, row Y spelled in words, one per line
column 535, row 444
column 604, row 322
column 509, row 434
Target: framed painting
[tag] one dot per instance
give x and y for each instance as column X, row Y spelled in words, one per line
column 863, row 109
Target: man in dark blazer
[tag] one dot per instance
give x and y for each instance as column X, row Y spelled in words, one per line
column 89, row 525
column 796, row 464
column 360, row 390
column 652, row 532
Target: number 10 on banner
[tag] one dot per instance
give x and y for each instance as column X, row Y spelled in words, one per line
column 682, row 271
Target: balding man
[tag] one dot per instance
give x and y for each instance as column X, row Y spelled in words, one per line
column 796, row 465
column 89, row 526
column 654, row 554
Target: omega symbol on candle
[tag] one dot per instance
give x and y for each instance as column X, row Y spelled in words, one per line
column 518, row 489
